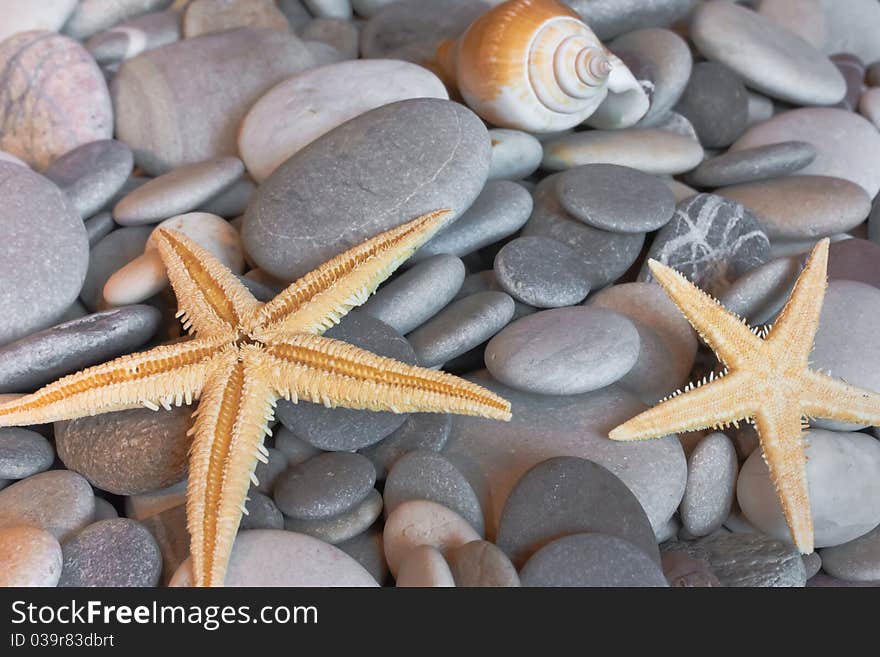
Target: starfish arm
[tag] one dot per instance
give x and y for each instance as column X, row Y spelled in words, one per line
column 321, row 298
column 725, row 333
column 210, row 298
column 796, row 326
column 335, row 373
column 779, row 430
column 723, row 401
column 827, row 397
column 168, row 374
column 228, row 433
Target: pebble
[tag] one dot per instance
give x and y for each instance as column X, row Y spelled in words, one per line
column 806, row 18
column 295, row 450
column 44, row 252
column 855, row 260
column 418, row 294
column 844, row 491
column 606, row 256
column 367, row 549
column 23, row 453
column 651, row 150
column 345, row 429
column 683, row 571
column 130, row 38
column 747, row 560
column 118, row 552
column 541, row 272
column 461, row 326
column 232, row 201
column 300, row 109
column 716, row 103
column 515, row 154
column 324, row 486
column 615, row 198
column 267, row 473
column 145, row 505
column 421, row 522
column 108, row 255
column 59, row 501
column 261, row 513
column 564, row 351
column 845, row 142
column 869, row 106
column 823, row 580
column 92, row 16
column 853, row 71
column 209, row 16
column 711, row 484
column 574, row 425
column 342, row 34
column 753, row 164
column 343, row 526
column 710, row 240
column 272, row 558
column 855, row 561
column 170, row 118
column 872, row 74
column 127, row 452
column 424, row 566
column 854, row 30
column 30, row 557
column 483, row 281
column 104, row 510
column 42, row 357
column 178, row 191
column 91, row 174
column 481, row 564
column 802, row 207
column 170, row 533
column 98, row 227
column 761, row 108
column 25, row 15
column 812, row 563
column 770, row 59
column 329, row 8
column 292, row 225
column 758, row 295
column 667, row 343
column 608, row 18
column 420, row 431
column 53, row 97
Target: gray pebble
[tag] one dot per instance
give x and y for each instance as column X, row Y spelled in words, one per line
column 856, row 561
column 421, row 431
column 324, row 486
column 232, row 201
column 267, row 473
column 608, row 18
column 759, row 294
column 295, row 450
column 108, row 255
column 683, row 571
column 104, row 510
column 343, row 526
column 515, row 154
column 92, row 173
column 812, row 563
column 366, row 548
column 261, row 513
column 541, row 272
column 59, row 501
column 98, row 227
column 23, row 453
column 481, row 564
column 854, row 260
column 716, row 103
column 711, row 485
column 484, row 281
column 753, row 164
column 119, row 552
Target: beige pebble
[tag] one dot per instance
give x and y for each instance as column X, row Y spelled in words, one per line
column 424, row 566
column 209, row 16
column 29, row 556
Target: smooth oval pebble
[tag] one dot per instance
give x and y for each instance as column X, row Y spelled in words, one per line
column 59, row 501
column 118, row 552
column 42, row 357
column 461, row 326
column 421, row 431
column 753, row 164
column 107, row 256
column 761, row 293
column 481, row 564
column 30, row 557
column 23, row 453
column 615, row 198
column 366, row 548
column 771, row 59
column 209, row 16
column 855, row 561
column 515, row 154
column 98, row 227
column 564, row 351
column 424, row 566
column 341, row 527
column 593, row 559
column 844, row 489
column 711, row 484
column 91, row 174
column 421, row 522
column 297, row 111
column 541, row 272
column 716, row 104
column 295, row 450
column 324, row 486
column 269, row 557
column 127, row 452
column 261, row 513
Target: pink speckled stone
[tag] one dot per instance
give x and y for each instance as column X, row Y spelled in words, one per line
column 53, row 97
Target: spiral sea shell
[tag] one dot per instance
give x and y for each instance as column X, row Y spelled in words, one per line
column 535, row 65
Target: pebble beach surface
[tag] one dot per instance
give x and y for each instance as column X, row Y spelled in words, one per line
column 278, row 134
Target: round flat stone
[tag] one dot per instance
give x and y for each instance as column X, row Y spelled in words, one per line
column 651, row 150
column 564, row 351
column 42, row 357
column 711, row 484
column 716, row 103
column 269, row 557
column 209, row 16
column 615, row 198
column 541, row 272
column 324, row 486
column 127, row 452
column 753, row 164
column 344, row 429
column 568, row 495
column 30, row 557
column 343, row 526
column 855, row 260
column 845, row 142
column 421, row 431
column 592, row 559
column 107, row 256
column 608, row 18
column 118, row 552
column 91, row 174
column 481, row 564
column 53, row 97
column 761, row 293
column 855, row 561
column 515, row 154
column 844, row 489
column 366, row 548
column 59, row 501
column 24, row 15
column 461, row 326
column 23, row 453
column 261, row 513
column 44, row 251
column 418, row 294
column 424, row 566
column 770, row 59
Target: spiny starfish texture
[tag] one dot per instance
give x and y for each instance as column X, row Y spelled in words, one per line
column 767, row 381
column 245, row 355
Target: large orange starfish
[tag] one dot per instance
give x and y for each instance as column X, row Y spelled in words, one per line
column 244, row 356
column 768, row 382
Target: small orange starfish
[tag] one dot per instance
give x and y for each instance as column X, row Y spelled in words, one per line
column 768, row 382
column 244, row 356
